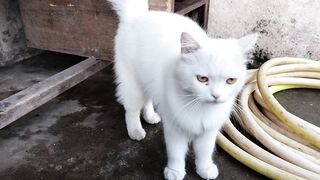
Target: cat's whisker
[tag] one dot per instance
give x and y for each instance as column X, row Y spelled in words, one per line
column 236, row 112
column 238, row 107
column 188, row 104
column 185, row 107
column 192, row 108
column 196, row 106
column 187, row 95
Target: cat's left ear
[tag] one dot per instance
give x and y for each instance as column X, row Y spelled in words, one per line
column 247, row 42
column 188, row 44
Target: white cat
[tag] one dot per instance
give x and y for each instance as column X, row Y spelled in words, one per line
column 168, row 60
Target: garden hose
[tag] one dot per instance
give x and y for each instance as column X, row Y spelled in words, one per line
column 293, row 144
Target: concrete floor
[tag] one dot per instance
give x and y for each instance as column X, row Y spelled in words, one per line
column 81, row 134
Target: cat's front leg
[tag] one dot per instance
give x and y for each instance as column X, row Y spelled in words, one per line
column 177, row 146
column 149, row 115
column 203, row 147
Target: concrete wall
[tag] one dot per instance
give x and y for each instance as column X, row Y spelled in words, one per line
column 286, row 27
column 12, row 40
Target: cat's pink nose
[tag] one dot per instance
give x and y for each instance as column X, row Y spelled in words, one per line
column 216, row 96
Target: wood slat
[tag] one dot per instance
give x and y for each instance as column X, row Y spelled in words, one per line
column 162, row 5
column 184, row 7
column 80, row 27
column 21, row 103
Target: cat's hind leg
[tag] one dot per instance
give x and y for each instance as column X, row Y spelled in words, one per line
column 131, row 97
column 149, row 115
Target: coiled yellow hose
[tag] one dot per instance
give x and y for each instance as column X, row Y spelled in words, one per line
column 294, row 143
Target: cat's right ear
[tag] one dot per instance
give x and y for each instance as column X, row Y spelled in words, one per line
column 247, row 42
column 188, row 44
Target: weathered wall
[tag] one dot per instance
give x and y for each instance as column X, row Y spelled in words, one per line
column 287, row 27
column 12, row 40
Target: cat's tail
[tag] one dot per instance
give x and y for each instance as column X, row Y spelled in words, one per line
column 130, row 8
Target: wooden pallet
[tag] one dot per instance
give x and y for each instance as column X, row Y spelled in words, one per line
column 87, row 28
column 73, row 27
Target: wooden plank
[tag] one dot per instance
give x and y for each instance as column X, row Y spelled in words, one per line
column 206, row 14
column 162, row 5
column 29, row 99
column 80, row 27
column 184, row 7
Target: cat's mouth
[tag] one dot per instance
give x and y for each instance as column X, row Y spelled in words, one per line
column 213, row 102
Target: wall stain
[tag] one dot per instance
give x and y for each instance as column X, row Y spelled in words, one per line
column 259, row 56
column 12, row 36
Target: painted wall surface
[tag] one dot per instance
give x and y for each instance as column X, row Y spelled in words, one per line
column 286, row 27
column 12, row 40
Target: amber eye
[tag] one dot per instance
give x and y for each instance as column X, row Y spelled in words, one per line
column 231, row 80
column 202, row 79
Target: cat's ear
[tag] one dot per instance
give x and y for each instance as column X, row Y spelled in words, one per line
column 247, row 42
column 188, row 44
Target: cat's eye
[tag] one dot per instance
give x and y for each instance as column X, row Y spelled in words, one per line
column 231, row 81
column 202, row 79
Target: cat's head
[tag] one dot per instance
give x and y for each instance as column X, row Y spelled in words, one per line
column 213, row 71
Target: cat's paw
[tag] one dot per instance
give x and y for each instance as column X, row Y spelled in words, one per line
column 137, row 134
column 152, row 119
column 170, row 174
column 208, row 173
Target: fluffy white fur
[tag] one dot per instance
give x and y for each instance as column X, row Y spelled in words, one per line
column 158, row 56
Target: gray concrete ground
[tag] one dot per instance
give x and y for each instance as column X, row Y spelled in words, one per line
column 81, row 134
